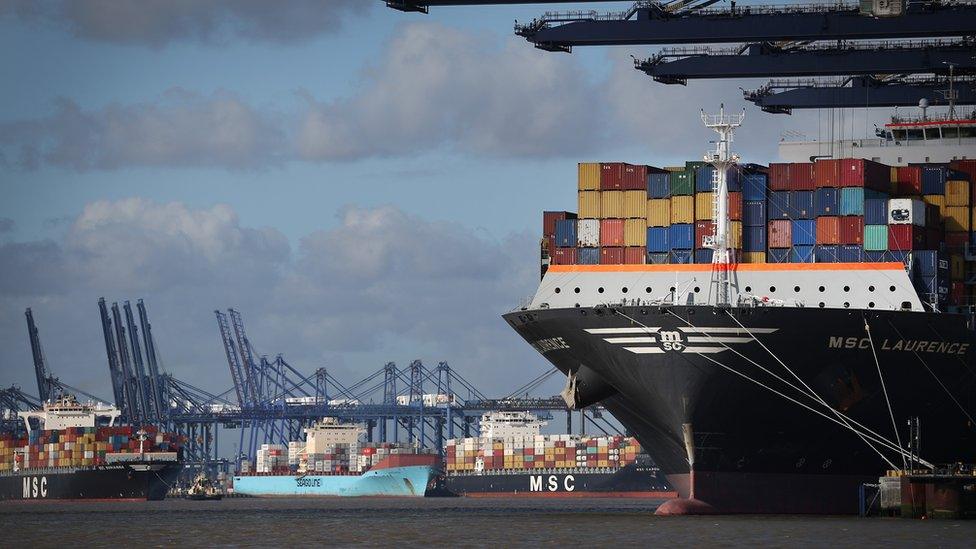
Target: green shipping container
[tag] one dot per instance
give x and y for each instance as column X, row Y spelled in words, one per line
column 876, row 238
column 695, row 164
column 683, row 183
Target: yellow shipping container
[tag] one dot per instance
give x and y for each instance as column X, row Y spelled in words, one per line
column 611, row 204
column 675, row 168
column 589, row 205
column 753, row 257
column 635, row 234
column 936, row 200
column 703, row 207
column 893, row 186
column 658, row 212
column 956, row 218
column 957, row 193
column 682, row 209
column 635, row 204
column 735, row 234
column 957, row 267
column 589, row 176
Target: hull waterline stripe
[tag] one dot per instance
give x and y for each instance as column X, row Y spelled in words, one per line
column 703, row 267
column 727, row 330
column 630, row 340
column 600, row 331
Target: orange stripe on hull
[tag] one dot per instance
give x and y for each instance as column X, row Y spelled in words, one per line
column 751, row 267
column 568, row 495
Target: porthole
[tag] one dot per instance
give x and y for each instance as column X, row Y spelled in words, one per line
column 847, row 288
column 600, row 290
column 796, row 289
column 822, row 289
column 576, row 290
column 558, row 290
column 822, row 304
column 697, row 289
column 772, row 289
column 647, row 289
column 870, row 288
column 847, row 305
column 871, row 305
column 748, row 289
column 624, row 289
column 891, row 288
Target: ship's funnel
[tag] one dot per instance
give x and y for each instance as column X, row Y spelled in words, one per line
column 585, row 388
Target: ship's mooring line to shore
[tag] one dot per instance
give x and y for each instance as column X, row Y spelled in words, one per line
column 932, row 373
column 880, row 440
column 884, row 389
column 819, row 399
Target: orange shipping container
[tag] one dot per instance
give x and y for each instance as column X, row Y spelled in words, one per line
column 658, row 212
column 957, row 193
column 828, row 230
column 735, row 206
column 635, row 232
column 611, row 204
column 635, row 205
column 589, row 176
column 612, row 232
column 634, row 256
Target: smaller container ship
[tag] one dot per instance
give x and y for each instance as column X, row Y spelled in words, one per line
column 514, row 459
column 333, row 462
column 72, row 457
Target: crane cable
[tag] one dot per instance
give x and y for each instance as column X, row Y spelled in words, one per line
column 884, row 389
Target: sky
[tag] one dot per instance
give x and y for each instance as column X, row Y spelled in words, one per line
column 364, row 185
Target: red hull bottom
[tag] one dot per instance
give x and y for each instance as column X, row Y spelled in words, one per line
column 571, row 495
column 706, row 492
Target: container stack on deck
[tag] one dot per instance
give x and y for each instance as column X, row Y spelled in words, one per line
column 828, row 211
column 540, row 452
column 79, row 446
column 333, row 459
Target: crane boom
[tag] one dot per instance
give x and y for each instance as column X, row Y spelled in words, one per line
column 115, row 370
column 155, row 383
column 40, row 366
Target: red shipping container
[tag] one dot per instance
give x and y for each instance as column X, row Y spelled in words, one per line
column 955, row 239
column 611, row 176
column 857, row 172
column 634, row 177
column 549, row 221
column 827, row 173
column 906, row 237
column 564, row 256
column 635, row 255
column 966, row 166
column 852, row 230
column 611, row 232
column 797, row 176
column 909, row 180
column 828, row 230
column 957, row 293
column 611, row 256
column 780, row 233
column 703, row 229
column 735, row 206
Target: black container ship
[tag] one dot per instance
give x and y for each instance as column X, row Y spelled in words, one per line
column 70, row 457
column 760, row 384
column 512, row 459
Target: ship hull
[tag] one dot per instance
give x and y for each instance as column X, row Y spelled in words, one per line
column 402, row 481
column 108, row 482
column 630, row 481
column 688, row 382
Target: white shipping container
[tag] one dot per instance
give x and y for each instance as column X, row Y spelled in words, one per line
column 906, row 211
column 588, row 233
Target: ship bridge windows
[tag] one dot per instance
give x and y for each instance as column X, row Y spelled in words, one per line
column 950, row 132
column 914, row 134
column 932, row 133
column 967, row 131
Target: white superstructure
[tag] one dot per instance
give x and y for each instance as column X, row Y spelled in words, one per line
column 510, row 425
column 66, row 412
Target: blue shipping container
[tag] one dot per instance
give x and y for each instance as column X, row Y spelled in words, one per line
column 682, row 256
column 871, row 194
column 703, row 179
column 657, row 258
column 754, row 239
column 826, row 201
column 754, row 186
column 801, row 205
column 566, row 233
column 804, row 232
column 934, row 179
column 827, row 254
column 850, row 254
column 704, row 257
column 588, row 256
column 681, row 236
column 657, row 239
column 754, row 213
column 778, row 255
column 659, row 185
column 779, row 205
column 897, row 256
column 875, row 212
column 802, row 254
column 871, row 256
column 929, row 263
column 852, row 201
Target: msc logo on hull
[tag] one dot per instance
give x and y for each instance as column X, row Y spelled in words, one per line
column 35, row 487
column 657, row 340
column 552, row 483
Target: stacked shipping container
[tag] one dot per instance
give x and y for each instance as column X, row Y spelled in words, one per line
column 834, row 210
column 79, row 446
column 540, row 452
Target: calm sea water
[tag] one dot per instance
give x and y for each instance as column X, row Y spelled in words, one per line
column 483, row 523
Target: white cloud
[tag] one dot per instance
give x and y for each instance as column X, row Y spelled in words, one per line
column 156, row 23
column 382, row 281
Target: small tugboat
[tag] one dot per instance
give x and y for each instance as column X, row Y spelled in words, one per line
column 204, row 489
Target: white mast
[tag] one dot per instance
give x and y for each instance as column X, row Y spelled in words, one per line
column 722, row 158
